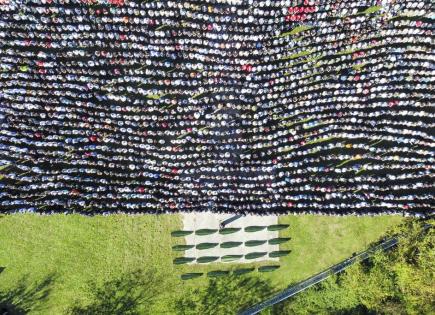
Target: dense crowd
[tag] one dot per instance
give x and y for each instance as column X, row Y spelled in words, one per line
column 248, row 106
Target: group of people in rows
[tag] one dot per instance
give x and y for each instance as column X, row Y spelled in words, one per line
column 222, row 105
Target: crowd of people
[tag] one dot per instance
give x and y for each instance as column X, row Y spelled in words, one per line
column 247, row 106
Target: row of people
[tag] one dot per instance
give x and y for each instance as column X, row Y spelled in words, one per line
column 228, row 106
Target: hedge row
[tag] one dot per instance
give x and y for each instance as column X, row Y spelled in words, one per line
column 182, row 247
column 205, row 231
column 252, row 228
column 278, row 240
column 254, row 243
column 183, row 260
column 222, row 273
column 251, row 243
column 202, row 246
column 229, row 230
column 279, row 253
column 277, row 227
column 206, row 259
column 227, row 258
column 180, row 233
column 255, row 255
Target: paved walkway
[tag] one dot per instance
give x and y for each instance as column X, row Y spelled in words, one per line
column 208, row 220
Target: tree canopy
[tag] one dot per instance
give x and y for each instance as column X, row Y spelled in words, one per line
column 400, row 281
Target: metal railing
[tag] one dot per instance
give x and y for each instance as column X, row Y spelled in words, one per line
column 301, row 286
column 229, row 220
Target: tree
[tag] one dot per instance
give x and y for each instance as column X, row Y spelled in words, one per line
column 400, row 281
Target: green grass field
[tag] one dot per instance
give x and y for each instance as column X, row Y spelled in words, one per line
column 75, row 250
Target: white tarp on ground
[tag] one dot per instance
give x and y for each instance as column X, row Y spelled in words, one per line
column 207, row 220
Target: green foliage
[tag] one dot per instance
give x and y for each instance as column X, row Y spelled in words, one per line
column 128, row 294
column 268, row 268
column 182, row 247
column 277, row 227
column 218, row 273
column 206, row 259
column 227, row 258
column 279, row 253
column 180, row 233
column 224, row 295
column 255, row 255
column 229, row 230
column 183, row 260
column 400, row 281
column 230, row 244
column 100, row 248
column 243, row 271
column 205, row 231
column 253, row 243
column 279, row 240
column 254, row 228
column 206, row 245
column 193, row 275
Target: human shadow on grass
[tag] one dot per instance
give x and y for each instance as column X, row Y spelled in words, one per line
column 25, row 296
column 128, row 294
column 225, row 295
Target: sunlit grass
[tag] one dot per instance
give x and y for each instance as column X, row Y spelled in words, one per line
column 79, row 249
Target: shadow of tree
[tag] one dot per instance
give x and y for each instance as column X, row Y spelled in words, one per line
column 225, row 296
column 129, row 294
column 25, row 296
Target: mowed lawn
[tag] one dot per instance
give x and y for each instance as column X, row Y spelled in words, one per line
column 76, row 249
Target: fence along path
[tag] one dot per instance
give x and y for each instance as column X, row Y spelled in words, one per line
column 301, row 286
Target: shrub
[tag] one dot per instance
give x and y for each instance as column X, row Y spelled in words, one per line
column 229, row 230
column 180, row 233
column 192, row 275
column 183, row 260
column 206, row 245
column 254, row 243
column 254, row 228
column 277, row 227
column 230, row 244
column 182, row 247
column 227, row 258
column 279, row 240
column 218, row 273
column 279, row 253
column 206, row 259
column 243, row 271
column 267, row 268
column 205, row 231
column 255, row 255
